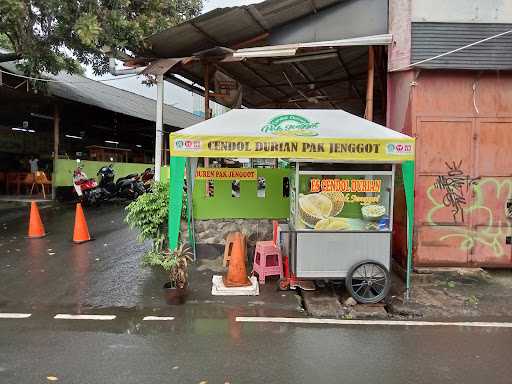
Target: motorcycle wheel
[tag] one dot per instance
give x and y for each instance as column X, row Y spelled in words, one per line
column 85, row 199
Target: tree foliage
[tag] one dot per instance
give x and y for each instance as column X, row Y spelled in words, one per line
column 54, row 35
column 148, row 214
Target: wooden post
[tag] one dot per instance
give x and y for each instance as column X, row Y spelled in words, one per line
column 206, row 73
column 56, row 137
column 369, row 87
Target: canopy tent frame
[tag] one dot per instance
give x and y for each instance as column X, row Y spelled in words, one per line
column 201, row 135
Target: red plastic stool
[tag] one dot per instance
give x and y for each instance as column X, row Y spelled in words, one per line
column 267, row 260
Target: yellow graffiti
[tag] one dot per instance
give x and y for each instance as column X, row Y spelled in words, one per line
column 493, row 231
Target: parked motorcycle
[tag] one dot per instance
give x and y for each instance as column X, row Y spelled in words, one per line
column 129, row 187
column 147, row 178
column 87, row 189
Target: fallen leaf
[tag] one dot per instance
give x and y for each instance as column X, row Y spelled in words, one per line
column 52, row 378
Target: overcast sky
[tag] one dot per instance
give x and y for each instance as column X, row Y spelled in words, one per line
column 212, row 4
column 173, row 94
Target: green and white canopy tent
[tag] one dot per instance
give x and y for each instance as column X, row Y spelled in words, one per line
column 319, row 135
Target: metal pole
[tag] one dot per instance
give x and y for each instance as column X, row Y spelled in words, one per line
column 206, row 75
column 159, row 124
column 56, row 137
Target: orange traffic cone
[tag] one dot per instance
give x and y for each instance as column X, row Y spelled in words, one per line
column 237, row 273
column 35, row 226
column 81, row 232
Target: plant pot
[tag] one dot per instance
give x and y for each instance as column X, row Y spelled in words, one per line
column 174, row 295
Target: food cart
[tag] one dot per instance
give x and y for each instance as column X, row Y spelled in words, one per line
column 342, row 182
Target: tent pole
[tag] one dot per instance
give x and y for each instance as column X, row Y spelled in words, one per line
column 159, row 124
column 369, row 87
column 56, row 137
column 190, row 209
column 408, row 180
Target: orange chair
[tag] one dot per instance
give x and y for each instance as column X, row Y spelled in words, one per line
column 25, row 179
column 40, row 179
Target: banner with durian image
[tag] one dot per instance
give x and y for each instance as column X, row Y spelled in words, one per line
column 343, row 202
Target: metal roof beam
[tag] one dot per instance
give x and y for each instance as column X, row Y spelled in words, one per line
column 351, row 80
column 322, row 83
column 306, row 75
column 325, row 101
column 210, row 38
column 222, row 69
column 255, row 73
column 257, row 17
column 269, row 84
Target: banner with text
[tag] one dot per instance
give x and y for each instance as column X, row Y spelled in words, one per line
column 292, row 147
column 226, row 174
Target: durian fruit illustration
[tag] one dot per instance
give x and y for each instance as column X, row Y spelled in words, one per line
column 333, row 224
column 338, row 201
column 314, row 207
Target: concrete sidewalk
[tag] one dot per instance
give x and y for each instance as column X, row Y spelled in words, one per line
column 442, row 294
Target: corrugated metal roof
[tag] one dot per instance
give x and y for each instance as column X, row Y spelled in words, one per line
column 431, row 39
column 83, row 90
column 230, row 26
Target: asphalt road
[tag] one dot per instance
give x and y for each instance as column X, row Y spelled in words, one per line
column 200, row 349
column 204, row 343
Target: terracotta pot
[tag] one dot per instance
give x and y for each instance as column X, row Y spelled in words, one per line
column 174, row 295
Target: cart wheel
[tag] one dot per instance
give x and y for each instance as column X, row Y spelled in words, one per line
column 284, row 284
column 368, row 282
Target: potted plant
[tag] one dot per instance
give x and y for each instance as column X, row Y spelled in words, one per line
column 175, row 263
column 149, row 215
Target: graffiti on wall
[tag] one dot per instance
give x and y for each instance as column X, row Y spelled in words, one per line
column 456, row 184
column 489, row 202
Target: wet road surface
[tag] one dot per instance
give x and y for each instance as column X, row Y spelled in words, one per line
column 197, row 347
column 54, row 275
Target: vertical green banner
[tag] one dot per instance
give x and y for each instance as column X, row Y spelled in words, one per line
column 176, row 180
column 408, row 175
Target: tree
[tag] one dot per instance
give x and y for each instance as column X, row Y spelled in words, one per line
column 55, row 35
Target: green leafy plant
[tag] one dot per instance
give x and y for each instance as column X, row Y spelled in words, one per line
column 175, row 263
column 148, row 214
